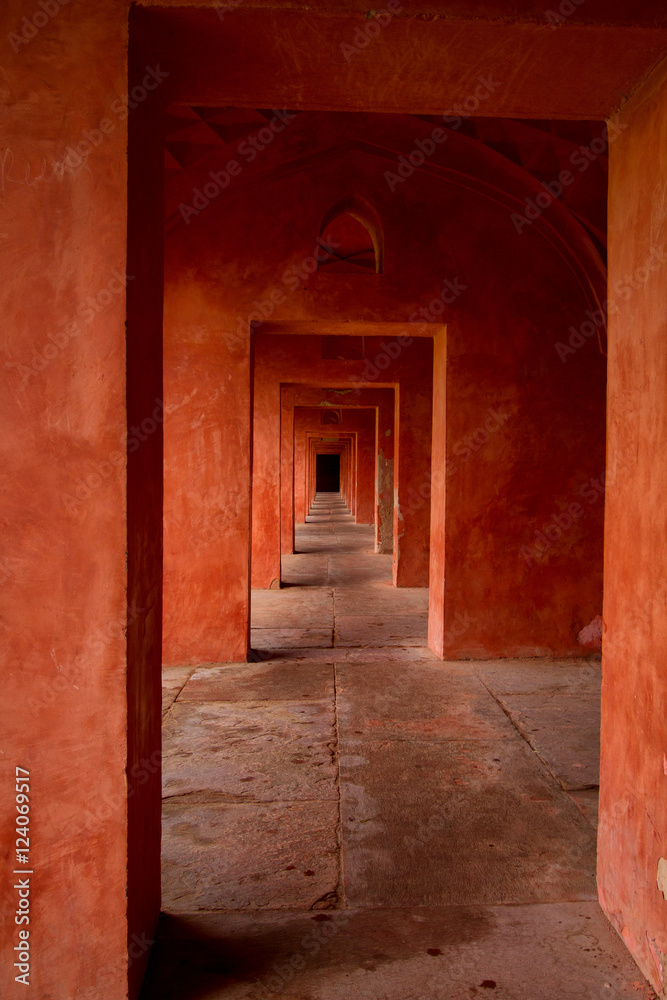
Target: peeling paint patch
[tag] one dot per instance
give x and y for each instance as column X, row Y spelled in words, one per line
column 591, row 635
column 659, row 959
column 385, row 471
column 662, row 877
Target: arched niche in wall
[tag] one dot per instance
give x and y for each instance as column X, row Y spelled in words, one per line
column 351, row 236
column 331, row 417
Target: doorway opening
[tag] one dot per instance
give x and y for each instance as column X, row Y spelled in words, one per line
column 340, row 658
column 327, row 474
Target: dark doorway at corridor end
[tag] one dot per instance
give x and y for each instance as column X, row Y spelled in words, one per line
column 327, row 474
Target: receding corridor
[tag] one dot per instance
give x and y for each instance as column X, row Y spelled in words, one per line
column 336, row 590
column 349, row 817
column 335, row 421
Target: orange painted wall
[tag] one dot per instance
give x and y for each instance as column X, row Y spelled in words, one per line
column 65, row 521
column 508, row 299
column 361, row 422
column 525, row 439
column 69, row 514
column 382, row 400
column 633, row 787
column 295, row 357
column 206, row 468
column 287, row 459
column 438, row 497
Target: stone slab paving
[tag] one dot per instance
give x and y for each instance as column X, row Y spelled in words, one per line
column 287, row 681
column 587, row 800
column 555, row 705
column 308, row 569
column 290, row 638
column 564, row 730
column 173, row 681
column 250, row 751
column 369, row 823
column 386, row 701
column 354, row 654
column 277, row 856
column 561, row 951
column 541, row 674
column 350, row 568
column 382, row 600
column 381, row 630
column 429, row 824
column 292, row 607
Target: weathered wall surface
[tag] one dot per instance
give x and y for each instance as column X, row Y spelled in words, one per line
column 64, row 610
column 525, row 459
column 291, row 358
column 632, row 869
column 70, row 512
column 361, row 422
column 525, row 418
column 382, row 400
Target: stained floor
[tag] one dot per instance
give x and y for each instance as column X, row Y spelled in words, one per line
column 349, row 818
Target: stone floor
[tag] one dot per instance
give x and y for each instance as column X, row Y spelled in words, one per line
column 337, row 592
column 349, row 818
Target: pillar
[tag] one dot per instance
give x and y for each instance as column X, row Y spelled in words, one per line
column 632, row 844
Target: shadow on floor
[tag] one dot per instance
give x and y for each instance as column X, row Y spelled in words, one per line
column 349, row 818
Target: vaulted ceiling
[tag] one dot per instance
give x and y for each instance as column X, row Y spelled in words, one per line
column 541, row 148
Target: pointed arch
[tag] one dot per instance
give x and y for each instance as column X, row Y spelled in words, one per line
column 351, row 236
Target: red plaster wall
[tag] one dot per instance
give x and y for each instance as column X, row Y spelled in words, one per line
column 436, row 607
column 570, row 73
column 364, row 422
column 206, row 468
column 292, row 358
column 361, row 422
column 67, row 580
column 300, row 487
column 64, row 513
column 525, row 438
column 382, row 400
column 287, row 446
column 516, row 297
column 633, row 784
